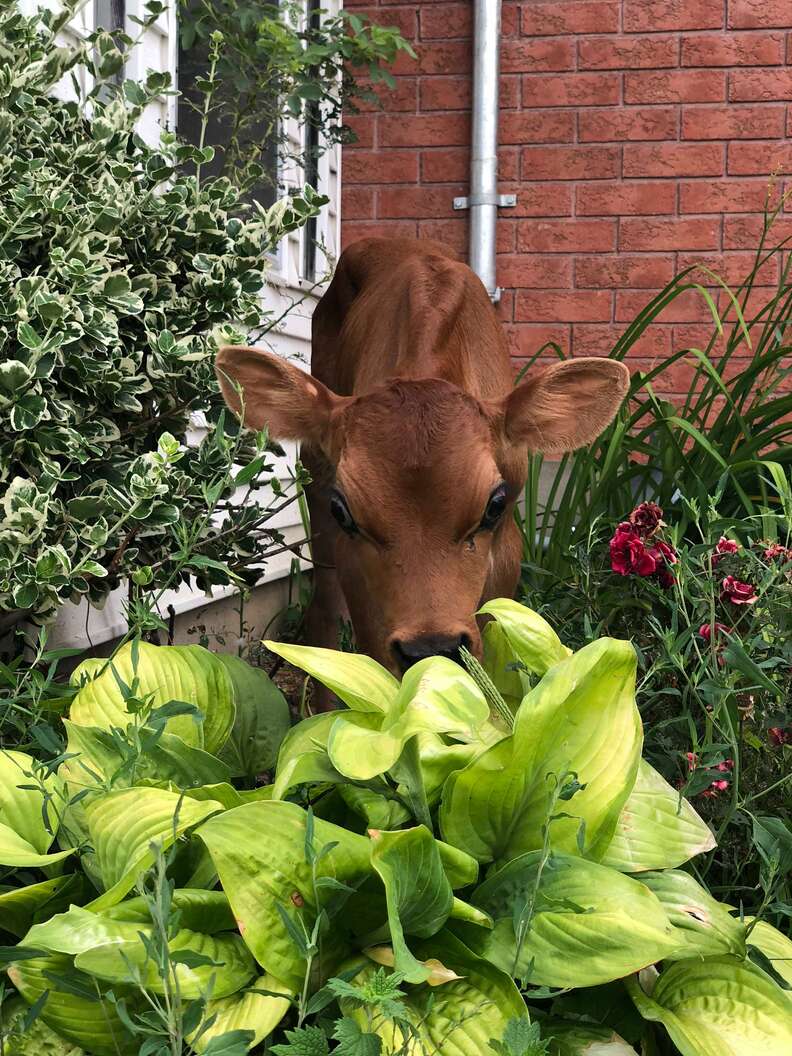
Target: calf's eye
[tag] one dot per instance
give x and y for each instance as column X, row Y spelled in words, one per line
column 340, row 511
column 496, row 505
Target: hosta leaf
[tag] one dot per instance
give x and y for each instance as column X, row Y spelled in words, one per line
column 78, row 930
column 581, row 717
column 436, row 696
column 776, row 947
column 378, row 811
column 22, row 906
column 256, row 1008
column 261, row 721
column 33, row 1039
column 186, row 673
column 229, row 969
column 456, row 1018
column 657, row 828
column 533, row 640
column 583, row 1039
column 124, row 824
column 718, row 1006
column 417, row 891
column 269, row 875
column 703, row 927
column 25, row 836
column 94, row 1025
column 357, row 680
column 501, row 664
column 207, row 911
column 590, row 924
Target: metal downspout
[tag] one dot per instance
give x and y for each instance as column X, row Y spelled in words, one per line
column 483, row 199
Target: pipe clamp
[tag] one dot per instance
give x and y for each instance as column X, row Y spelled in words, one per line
column 503, row 201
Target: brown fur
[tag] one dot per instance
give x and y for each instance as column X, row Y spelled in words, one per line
column 411, row 413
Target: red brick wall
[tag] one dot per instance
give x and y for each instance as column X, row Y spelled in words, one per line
column 638, row 135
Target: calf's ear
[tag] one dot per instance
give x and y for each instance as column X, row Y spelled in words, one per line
column 264, row 390
column 566, row 406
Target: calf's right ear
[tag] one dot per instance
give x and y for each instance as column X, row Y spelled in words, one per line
column 264, row 390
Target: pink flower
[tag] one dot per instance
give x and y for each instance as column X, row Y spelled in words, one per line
column 779, row 736
column 706, row 629
column 692, row 759
column 631, row 555
column 646, row 519
column 725, row 766
column 737, row 592
column 777, row 552
column 723, row 546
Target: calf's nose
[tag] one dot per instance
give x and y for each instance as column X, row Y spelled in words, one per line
column 409, row 651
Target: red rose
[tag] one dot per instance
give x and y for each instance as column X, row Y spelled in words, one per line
column 706, row 629
column 646, row 519
column 779, row 736
column 630, row 555
column 777, row 552
column 737, row 592
column 724, row 546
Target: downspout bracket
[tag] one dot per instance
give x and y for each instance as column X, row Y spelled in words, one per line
column 503, row 201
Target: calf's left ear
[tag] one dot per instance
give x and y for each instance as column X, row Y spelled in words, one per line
column 566, row 406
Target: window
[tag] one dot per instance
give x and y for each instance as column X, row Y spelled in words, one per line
column 311, row 164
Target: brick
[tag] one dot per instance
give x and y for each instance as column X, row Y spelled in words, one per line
column 539, row 199
column 569, row 163
column 452, row 164
column 675, row 86
column 404, row 96
column 732, row 122
column 627, row 52
column 734, row 49
column 667, row 234
column 642, row 17
column 535, row 271
column 725, row 196
column 687, row 307
column 454, row 93
column 572, row 89
column 453, row 56
column 357, row 203
column 569, row 16
column 561, row 306
column 566, row 236
column 599, row 339
column 363, row 128
column 537, row 126
column 524, row 56
column 424, row 130
column 617, row 272
column 352, row 230
column 381, row 166
column 627, row 123
column 769, row 85
column 415, row 203
column 673, row 159
column 625, row 199
column 405, row 19
column 732, row 267
column 504, row 306
column 453, row 232
column 758, row 14
column 758, row 158
column 744, row 232
column 445, row 20
column 525, row 339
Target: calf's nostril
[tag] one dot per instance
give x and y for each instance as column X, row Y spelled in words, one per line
column 409, row 651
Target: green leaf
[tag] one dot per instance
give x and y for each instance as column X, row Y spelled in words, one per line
column 24, row 834
column 590, row 924
column 703, row 927
column 718, row 1006
column 583, row 1039
column 436, row 696
column 532, row 639
column 580, row 718
column 94, row 1025
column 352, row 1041
column 305, row 1041
column 23, row 906
column 257, row 1009
column 124, row 824
column 521, row 1038
column 261, row 722
column 774, row 945
column 360, row 682
column 657, row 828
column 417, row 892
column 270, row 873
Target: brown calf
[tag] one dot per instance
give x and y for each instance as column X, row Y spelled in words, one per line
column 417, row 443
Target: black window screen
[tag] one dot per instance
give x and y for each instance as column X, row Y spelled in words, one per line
column 312, row 121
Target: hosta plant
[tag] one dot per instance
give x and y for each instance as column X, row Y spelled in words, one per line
column 465, row 861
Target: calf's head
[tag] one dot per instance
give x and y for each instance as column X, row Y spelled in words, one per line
column 425, row 478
